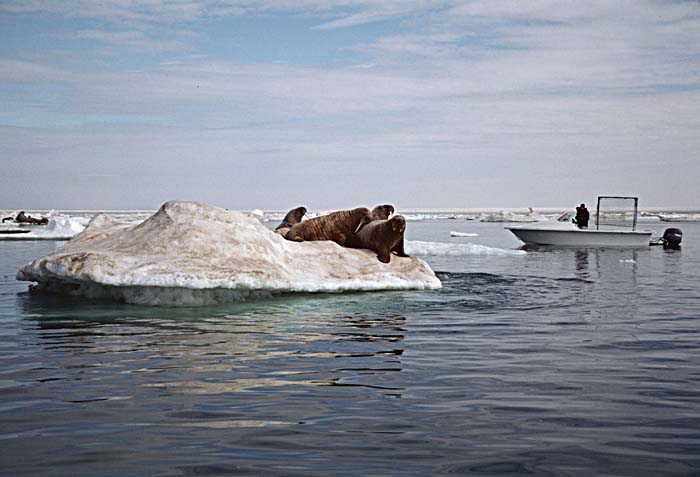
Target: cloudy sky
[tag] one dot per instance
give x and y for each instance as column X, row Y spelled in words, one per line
column 277, row 103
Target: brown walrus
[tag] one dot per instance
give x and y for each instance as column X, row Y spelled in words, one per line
column 335, row 226
column 28, row 219
column 382, row 236
column 41, row 221
column 293, row 217
column 382, row 212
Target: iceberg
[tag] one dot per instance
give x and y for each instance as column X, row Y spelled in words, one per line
column 191, row 253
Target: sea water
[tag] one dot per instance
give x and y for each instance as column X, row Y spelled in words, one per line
column 544, row 362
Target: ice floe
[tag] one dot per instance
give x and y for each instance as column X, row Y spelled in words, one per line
column 417, row 247
column 194, row 253
column 56, row 229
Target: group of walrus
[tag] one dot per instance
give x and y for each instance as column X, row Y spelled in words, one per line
column 23, row 218
column 355, row 228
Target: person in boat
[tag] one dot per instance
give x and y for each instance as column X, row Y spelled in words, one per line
column 582, row 216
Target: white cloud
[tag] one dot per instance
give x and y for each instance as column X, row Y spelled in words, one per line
column 429, row 155
column 22, row 71
column 461, row 92
column 134, row 40
column 345, row 12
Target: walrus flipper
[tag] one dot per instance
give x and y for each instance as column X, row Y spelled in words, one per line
column 293, row 236
column 339, row 238
column 384, row 257
column 353, row 241
column 398, row 248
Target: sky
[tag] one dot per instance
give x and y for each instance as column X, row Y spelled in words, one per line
column 273, row 104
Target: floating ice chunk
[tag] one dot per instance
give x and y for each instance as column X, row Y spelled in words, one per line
column 679, row 217
column 463, row 234
column 258, row 214
column 192, row 253
column 56, row 229
column 415, row 247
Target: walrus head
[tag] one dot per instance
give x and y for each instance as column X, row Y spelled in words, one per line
column 382, row 212
column 366, row 218
column 398, row 224
column 294, row 216
column 299, row 213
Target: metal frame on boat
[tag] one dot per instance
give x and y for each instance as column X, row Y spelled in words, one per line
column 610, row 231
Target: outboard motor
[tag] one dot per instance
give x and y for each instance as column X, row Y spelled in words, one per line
column 672, row 238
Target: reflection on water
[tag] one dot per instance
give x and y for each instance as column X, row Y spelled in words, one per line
column 258, row 345
column 582, row 264
column 127, row 371
column 595, row 263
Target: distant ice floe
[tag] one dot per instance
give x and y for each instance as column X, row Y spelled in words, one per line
column 190, row 253
column 679, row 217
column 504, row 216
column 56, row 229
column 416, row 247
column 258, row 214
column 410, row 217
column 463, row 234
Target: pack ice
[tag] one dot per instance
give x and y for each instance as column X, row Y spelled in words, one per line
column 195, row 253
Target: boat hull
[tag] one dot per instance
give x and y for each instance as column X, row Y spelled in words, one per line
column 582, row 238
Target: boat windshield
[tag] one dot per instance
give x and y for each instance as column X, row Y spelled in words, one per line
column 565, row 217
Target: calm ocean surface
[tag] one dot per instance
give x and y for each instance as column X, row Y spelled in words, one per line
column 555, row 362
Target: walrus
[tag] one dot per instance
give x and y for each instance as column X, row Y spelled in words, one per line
column 28, row 219
column 382, row 236
column 41, row 221
column 293, row 217
column 382, row 212
column 335, row 226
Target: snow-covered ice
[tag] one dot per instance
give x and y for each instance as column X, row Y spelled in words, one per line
column 194, row 253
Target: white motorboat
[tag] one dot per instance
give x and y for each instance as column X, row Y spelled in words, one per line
column 567, row 234
column 564, row 233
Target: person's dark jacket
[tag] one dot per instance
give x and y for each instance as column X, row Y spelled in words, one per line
column 582, row 217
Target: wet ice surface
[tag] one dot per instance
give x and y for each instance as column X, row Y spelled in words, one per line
column 570, row 362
